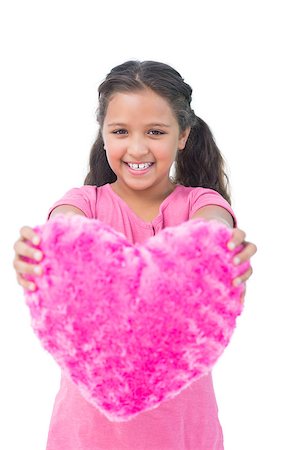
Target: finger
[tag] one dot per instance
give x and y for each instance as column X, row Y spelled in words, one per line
column 243, row 294
column 246, row 253
column 243, row 297
column 27, row 233
column 22, row 249
column 236, row 239
column 242, row 278
column 29, row 285
column 23, row 267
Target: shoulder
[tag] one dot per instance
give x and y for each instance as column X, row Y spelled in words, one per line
column 83, row 198
column 200, row 197
column 86, row 193
column 195, row 194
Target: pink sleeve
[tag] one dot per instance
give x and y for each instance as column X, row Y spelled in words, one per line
column 83, row 198
column 204, row 197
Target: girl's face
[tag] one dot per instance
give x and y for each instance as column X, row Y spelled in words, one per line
column 140, row 127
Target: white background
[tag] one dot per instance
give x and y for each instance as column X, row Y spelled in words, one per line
column 241, row 58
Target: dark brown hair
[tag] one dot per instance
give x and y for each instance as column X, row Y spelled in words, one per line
column 199, row 164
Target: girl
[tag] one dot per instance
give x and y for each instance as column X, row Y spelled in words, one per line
column 146, row 125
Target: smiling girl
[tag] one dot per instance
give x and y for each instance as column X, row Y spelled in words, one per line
column 146, row 125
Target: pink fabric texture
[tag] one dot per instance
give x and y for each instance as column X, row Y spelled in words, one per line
column 188, row 421
column 133, row 325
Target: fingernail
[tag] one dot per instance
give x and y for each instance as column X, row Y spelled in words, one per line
column 237, row 281
column 36, row 240
column 31, row 287
column 231, row 245
column 38, row 255
column 37, row 270
column 236, row 260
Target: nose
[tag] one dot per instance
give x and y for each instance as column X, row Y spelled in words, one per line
column 137, row 147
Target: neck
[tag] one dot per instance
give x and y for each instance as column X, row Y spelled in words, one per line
column 144, row 196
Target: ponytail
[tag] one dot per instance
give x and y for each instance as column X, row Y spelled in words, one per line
column 100, row 171
column 201, row 162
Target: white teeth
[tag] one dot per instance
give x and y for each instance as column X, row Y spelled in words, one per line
column 139, row 166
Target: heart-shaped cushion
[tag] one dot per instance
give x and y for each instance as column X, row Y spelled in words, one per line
column 133, row 325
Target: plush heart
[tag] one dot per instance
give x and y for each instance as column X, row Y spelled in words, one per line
column 134, row 325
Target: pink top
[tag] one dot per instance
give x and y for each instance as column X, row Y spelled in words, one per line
column 187, row 422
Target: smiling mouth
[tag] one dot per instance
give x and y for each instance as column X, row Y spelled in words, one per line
column 140, row 166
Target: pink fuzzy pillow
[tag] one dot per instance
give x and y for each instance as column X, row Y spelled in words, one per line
column 133, row 325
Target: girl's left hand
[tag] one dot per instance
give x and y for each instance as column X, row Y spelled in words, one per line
column 249, row 249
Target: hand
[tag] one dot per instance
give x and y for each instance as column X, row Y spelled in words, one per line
column 22, row 250
column 248, row 250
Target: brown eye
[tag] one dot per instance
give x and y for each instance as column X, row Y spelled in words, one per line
column 156, row 132
column 121, row 131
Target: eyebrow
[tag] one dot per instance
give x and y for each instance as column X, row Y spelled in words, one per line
column 154, row 124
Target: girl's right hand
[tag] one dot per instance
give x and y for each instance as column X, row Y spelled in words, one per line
column 23, row 249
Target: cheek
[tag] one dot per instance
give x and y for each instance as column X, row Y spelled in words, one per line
column 167, row 149
column 114, row 147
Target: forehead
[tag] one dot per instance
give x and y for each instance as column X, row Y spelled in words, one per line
column 143, row 104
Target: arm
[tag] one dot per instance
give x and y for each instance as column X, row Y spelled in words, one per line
column 22, row 248
column 66, row 209
column 214, row 212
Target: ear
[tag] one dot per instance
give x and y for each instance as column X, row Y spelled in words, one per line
column 183, row 137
